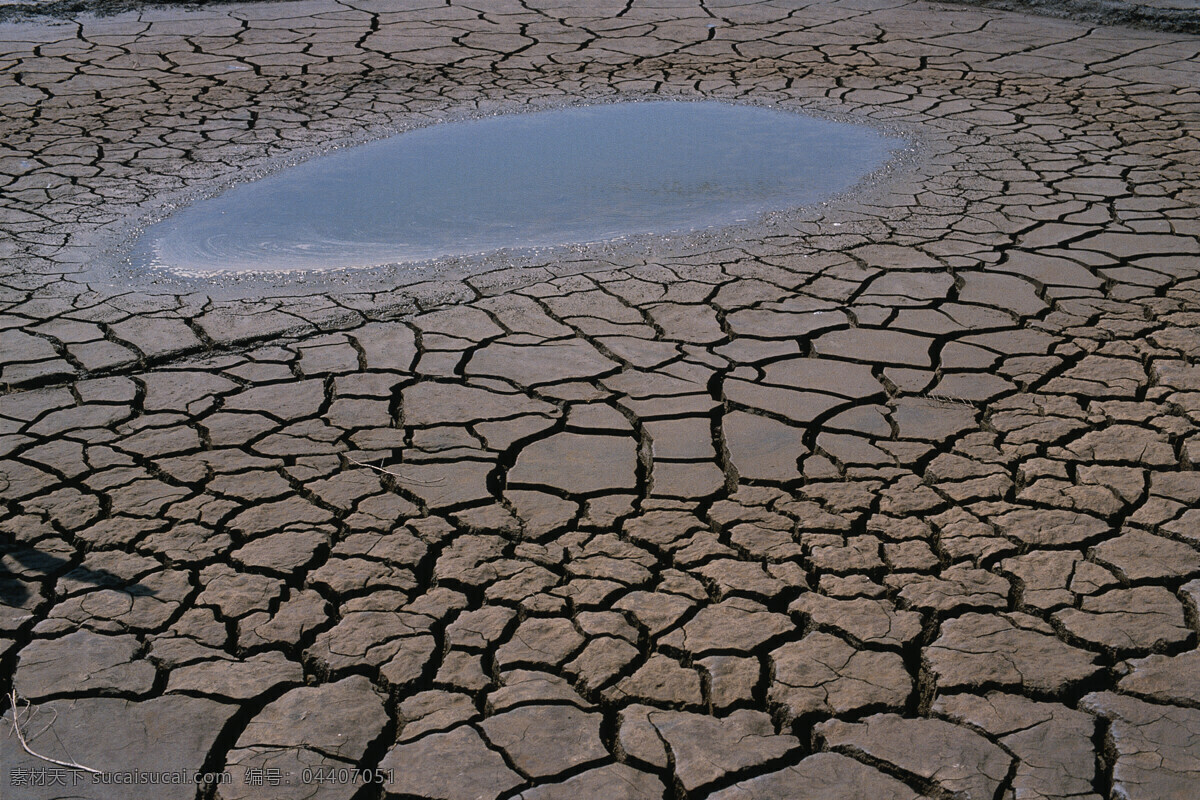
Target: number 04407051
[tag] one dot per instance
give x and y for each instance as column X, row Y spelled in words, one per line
column 344, row 775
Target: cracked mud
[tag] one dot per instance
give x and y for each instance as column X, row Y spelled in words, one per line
column 893, row 499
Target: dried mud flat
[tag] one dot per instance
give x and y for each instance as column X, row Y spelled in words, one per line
column 893, row 500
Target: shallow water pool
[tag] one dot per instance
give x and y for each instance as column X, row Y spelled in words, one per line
column 566, row 176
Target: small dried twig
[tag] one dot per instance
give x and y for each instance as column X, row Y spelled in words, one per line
column 950, row 398
column 16, row 726
column 395, row 475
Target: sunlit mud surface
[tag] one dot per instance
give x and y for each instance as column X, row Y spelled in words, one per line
column 894, row 496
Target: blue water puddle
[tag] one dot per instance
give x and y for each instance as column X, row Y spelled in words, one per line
column 566, row 176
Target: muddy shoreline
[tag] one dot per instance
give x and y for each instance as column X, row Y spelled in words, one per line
column 1100, row 12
